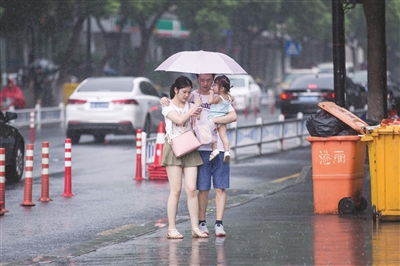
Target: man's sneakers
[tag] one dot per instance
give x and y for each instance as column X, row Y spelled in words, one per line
column 203, row 227
column 219, row 230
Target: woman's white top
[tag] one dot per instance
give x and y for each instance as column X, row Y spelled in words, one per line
column 171, row 129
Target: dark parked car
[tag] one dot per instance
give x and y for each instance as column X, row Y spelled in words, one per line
column 393, row 88
column 13, row 143
column 305, row 92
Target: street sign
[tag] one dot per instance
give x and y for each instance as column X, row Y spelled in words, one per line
column 292, row 48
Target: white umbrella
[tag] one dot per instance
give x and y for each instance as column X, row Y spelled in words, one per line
column 201, row 62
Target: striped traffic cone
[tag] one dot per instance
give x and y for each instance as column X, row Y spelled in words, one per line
column 68, row 169
column 155, row 170
column 138, row 175
column 45, row 173
column 2, row 181
column 28, row 177
column 159, row 144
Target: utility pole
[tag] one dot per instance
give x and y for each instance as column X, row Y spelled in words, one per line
column 339, row 57
column 88, row 50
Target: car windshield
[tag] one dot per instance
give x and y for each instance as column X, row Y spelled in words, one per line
column 360, row 77
column 96, row 85
column 291, row 76
column 235, row 82
column 313, row 83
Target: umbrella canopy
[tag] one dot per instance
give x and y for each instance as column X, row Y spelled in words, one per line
column 201, row 62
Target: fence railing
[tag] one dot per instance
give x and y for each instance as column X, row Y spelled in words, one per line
column 258, row 139
column 255, row 140
column 245, row 141
column 43, row 115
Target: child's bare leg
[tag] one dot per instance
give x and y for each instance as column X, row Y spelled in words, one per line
column 214, row 145
column 223, row 136
column 225, row 141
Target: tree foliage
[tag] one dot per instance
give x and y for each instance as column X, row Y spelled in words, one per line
column 216, row 25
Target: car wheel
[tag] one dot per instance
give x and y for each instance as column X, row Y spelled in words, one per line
column 15, row 170
column 147, row 125
column 73, row 136
column 99, row 138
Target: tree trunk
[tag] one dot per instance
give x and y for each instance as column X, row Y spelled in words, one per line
column 111, row 50
column 142, row 53
column 65, row 64
column 376, row 57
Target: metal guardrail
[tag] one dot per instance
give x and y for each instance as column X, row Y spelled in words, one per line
column 258, row 139
column 43, row 115
column 245, row 141
column 255, row 140
column 264, row 138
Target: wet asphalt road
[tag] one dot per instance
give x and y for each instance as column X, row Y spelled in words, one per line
column 114, row 220
column 271, row 224
column 106, row 197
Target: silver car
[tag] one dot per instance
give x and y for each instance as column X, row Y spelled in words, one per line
column 112, row 105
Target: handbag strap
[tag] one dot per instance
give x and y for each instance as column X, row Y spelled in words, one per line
column 168, row 139
column 193, row 123
column 192, row 120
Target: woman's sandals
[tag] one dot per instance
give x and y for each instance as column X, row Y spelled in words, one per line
column 174, row 234
column 197, row 233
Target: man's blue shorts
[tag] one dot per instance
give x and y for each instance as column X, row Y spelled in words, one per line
column 215, row 169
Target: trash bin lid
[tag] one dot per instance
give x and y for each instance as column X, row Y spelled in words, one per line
column 345, row 116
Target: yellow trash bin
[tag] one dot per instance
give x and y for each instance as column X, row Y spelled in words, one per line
column 384, row 163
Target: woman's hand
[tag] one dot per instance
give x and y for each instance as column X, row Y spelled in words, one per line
column 196, row 114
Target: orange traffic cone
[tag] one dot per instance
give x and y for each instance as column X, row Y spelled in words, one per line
column 139, row 155
column 159, row 144
column 68, row 169
column 28, row 177
column 155, row 170
column 45, row 173
column 2, row 181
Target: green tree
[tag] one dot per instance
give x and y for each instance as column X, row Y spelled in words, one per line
column 145, row 13
column 308, row 23
column 206, row 20
column 248, row 21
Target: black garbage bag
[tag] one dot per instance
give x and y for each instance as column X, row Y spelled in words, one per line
column 323, row 124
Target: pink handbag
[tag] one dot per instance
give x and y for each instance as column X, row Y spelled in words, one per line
column 184, row 144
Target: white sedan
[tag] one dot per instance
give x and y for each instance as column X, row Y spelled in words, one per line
column 112, row 105
column 246, row 91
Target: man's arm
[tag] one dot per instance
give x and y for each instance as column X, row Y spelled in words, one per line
column 226, row 119
column 164, row 101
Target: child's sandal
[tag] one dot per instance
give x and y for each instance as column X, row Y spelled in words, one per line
column 227, row 157
column 214, row 154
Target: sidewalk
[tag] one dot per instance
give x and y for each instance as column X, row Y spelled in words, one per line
column 274, row 224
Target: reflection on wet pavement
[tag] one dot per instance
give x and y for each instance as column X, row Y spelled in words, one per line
column 339, row 240
column 386, row 243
